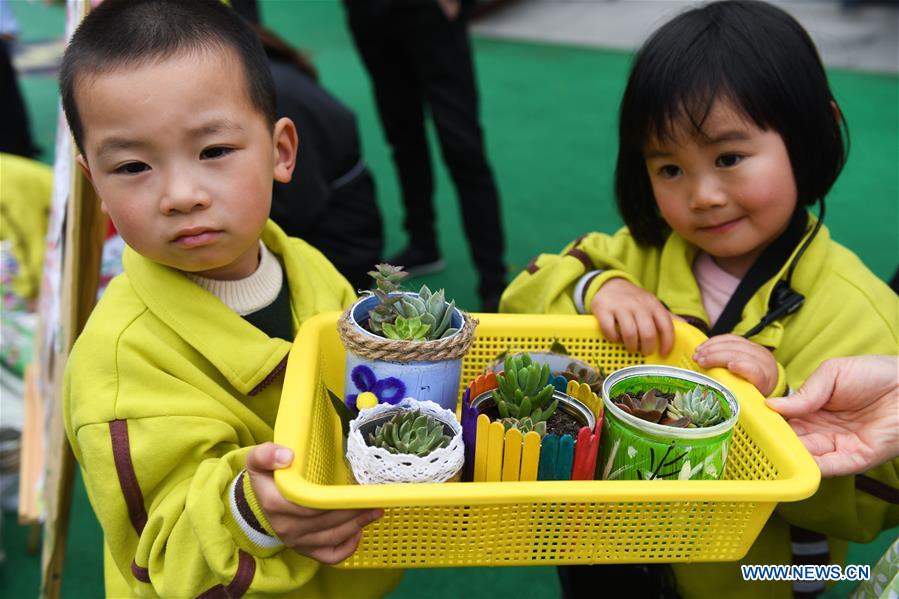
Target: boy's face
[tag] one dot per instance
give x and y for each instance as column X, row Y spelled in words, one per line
column 182, row 161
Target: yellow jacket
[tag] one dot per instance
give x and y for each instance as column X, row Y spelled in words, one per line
column 25, row 190
column 847, row 311
column 165, row 392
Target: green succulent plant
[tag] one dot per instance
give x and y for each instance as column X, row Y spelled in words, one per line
column 699, row 404
column 587, row 376
column 430, row 308
column 524, row 391
column 406, row 329
column 650, row 407
column 525, row 425
column 410, row 432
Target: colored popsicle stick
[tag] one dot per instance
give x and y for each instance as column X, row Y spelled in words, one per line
column 530, row 456
column 512, row 455
column 549, row 450
column 495, row 438
column 563, row 460
column 581, row 455
column 480, row 449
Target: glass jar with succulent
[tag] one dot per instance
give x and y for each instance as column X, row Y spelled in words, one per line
column 411, row 441
column 403, row 343
column 520, row 401
column 666, row 423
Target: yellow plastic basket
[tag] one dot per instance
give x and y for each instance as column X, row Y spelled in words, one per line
column 543, row 522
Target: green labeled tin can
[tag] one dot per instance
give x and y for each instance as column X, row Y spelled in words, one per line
column 635, row 449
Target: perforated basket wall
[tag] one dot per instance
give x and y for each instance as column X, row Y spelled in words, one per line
column 543, row 522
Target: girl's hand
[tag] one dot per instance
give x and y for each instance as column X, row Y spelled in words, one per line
column 633, row 316
column 328, row 536
column 750, row 360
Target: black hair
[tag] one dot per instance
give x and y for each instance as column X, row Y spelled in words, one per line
column 754, row 56
column 122, row 33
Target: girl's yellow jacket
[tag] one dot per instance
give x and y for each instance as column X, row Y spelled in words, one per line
column 847, row 312
column 165, row 392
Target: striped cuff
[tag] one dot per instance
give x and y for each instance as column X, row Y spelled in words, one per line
column 581, row 287
column 248, row 515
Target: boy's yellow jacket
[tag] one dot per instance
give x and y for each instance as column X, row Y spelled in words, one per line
column 166, row 391
column 847, row 311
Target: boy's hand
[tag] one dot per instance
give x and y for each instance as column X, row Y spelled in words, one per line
column 328, row 536
column 633, row 316
column 750, row 360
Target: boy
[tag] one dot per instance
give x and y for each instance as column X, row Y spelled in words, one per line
column 172, row 389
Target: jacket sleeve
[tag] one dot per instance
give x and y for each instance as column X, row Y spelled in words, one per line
column 161, row 443
column 565, row 283
column 161, row 488
column 856, row 320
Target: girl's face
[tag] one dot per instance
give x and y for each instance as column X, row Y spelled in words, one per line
column 730, row 191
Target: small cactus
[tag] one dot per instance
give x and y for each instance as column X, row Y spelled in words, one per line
column 430, row 308
column 410, row 432
column 586, row 376
column 407, row 329
column 524, row 390
column 525, row 425
column 699, row 404
column 650, row 407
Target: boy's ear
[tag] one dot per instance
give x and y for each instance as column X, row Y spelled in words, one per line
column 286, row 143
column 86, row 169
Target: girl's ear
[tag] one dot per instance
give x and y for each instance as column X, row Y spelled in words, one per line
column 285, row 147
column 836, row 111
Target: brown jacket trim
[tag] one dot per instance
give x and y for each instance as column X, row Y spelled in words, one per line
column 243, row 506
column 216, row 592
column 876, row 488
column 246, row 570
column 532, row 266
column 141, row 574
column 271, row 377
column 121, row 454
column 582, row 256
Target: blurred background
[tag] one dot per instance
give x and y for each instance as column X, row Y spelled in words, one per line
column 550, row 74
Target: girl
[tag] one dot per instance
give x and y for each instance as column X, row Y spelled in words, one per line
column 728, row 133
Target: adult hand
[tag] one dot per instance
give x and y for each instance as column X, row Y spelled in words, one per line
column 633, row 316
column 847, row 413
column 328, row 536
column 753, row 362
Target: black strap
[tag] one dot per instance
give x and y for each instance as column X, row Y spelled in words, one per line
column 766, row 266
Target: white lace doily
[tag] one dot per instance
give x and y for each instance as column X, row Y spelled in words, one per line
column 374, row 465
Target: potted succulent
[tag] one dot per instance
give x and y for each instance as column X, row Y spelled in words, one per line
column 521, row 401
column 408, row 442
column 665, row 423
column 402, row 343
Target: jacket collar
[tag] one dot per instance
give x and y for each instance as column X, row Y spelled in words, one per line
column 679, row 291
column 242, row 353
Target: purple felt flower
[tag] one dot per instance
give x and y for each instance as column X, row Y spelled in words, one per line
column 388, row 390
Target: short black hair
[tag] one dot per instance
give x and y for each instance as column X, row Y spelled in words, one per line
column 751, row 54
column 133, row 32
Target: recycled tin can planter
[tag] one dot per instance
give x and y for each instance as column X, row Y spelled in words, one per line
column 376, row 465
column 394, row 369
column 635, row 449
column 494, row 454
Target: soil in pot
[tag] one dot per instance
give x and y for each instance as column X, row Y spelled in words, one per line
column 560, row 423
